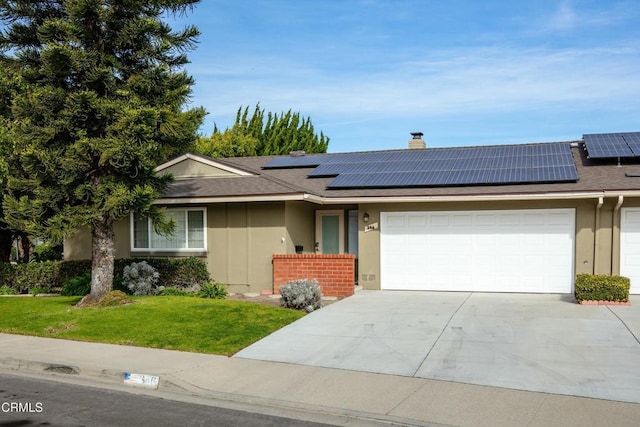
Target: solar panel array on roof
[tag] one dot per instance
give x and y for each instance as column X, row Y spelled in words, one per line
column 293, row 162
column 612, row 145
column 441, row 166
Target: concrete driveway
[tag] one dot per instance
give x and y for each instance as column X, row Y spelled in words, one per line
column 544, row 343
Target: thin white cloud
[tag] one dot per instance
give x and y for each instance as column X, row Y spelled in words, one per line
column 564, row 18
column 486, row 80
column 568, row 18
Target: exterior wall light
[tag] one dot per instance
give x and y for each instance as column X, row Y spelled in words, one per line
column 365, row 217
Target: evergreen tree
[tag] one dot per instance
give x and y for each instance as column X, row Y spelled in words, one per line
column 8, row 163
column 99, row 106
column 251, row 136
column 6, row 236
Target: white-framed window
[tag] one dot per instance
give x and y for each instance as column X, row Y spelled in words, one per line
column 190, row 233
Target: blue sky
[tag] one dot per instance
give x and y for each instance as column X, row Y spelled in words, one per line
column 464, row 72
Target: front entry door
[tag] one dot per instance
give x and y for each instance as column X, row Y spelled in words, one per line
column 330, row 232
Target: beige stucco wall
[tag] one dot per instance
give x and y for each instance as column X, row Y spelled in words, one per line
column 191, row 168
column 369, row 243
column 299, row 220
column 241, row 239
column 78, row 246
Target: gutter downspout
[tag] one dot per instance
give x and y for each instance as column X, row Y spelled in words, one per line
column 615, row 237
column 596, row 242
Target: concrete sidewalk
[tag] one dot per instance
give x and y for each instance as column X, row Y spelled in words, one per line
column 328, row 395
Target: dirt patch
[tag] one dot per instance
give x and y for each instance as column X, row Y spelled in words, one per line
column 260, row 299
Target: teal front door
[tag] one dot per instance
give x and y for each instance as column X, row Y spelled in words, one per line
column 329, row 232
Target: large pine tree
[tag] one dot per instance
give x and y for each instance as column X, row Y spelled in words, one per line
column 101, row 104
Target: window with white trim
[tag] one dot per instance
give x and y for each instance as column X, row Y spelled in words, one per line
column 190, row 232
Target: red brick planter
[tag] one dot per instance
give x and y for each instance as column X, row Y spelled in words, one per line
column 335, row 273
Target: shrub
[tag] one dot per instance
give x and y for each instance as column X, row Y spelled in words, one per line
column 184, row 273
column 69, row 269
column 594, row 287
column 213, row 290
column 77, row 286
column 6, row 274
column 301, row 295
column 141, row 278
column 47, row 252
column 42, row 275
column 188, row 274
column 174, row 292
column 7, row 290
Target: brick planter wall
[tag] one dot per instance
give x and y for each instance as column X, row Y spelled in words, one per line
column 335, row 273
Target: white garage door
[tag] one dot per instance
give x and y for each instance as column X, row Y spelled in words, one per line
column 630, row 247
column 484, row 251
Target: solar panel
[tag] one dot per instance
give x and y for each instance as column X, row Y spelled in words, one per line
column 293, row 162
column 608, row 145
column 442, row 166
column 633, row 141
column 462, row 177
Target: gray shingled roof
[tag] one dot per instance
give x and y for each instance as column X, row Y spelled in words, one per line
column 593, row 177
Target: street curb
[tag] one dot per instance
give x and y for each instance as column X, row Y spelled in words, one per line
column 170, row 386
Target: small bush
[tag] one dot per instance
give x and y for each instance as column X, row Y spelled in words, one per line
column 594, row 287
column 213, row 290
column 7, row 290
column 189, row 274
column 6, row 274
column 141, row 278
column 174, row 292
column 39, row 290
column 42, row 275
column 77, row 286
column 301, row 295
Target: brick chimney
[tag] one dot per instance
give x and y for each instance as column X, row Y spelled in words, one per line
column 417, row 143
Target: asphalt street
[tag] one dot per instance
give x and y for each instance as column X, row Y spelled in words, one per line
column 37, row 402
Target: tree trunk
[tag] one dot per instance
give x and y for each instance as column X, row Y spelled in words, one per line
column 5, row 245
column 102, row 258
column 25, row 244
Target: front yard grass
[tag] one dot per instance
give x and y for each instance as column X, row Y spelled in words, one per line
column 175, row 323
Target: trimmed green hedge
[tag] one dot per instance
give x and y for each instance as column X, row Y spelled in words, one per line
column 595, row 287
column 51, row 275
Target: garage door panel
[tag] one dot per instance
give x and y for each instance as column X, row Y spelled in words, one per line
column 416, row 221
column 533, row 219
column 630, row 247
column 488, row 251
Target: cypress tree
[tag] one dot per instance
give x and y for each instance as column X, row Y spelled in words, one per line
column 250, row 136
column 100, row 105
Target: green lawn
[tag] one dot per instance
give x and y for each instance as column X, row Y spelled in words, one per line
column 176, row 323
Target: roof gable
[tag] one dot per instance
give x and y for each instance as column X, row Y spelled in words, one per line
column 195, row 166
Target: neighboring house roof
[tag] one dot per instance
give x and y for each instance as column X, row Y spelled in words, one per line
column 595, row 178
